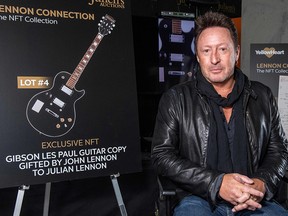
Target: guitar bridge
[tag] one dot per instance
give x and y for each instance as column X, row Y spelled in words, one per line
column 52, row 113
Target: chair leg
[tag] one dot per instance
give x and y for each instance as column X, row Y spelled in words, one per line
column 168, row 207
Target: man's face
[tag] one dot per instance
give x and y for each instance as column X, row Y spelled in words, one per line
column 216, row 55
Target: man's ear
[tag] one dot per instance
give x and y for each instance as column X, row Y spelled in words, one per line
column 237, row 53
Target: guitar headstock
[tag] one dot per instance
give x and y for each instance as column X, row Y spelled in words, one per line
column 106, row 25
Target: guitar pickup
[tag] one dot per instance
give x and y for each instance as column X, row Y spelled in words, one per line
column 176, row 57
column 37, row 106
column 177, row 38
column 66, row 90
column 58, row 102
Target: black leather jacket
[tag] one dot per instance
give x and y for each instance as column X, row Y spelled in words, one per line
column 179, row 146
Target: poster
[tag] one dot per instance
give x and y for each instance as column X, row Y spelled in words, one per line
column 283, row 101
column 268, row 62
column 68, row 91
column 269, row 65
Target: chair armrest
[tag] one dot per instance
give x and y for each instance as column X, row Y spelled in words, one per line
column 167, row 192
column 167, row 187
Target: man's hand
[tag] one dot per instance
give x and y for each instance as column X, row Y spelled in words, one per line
column 259, row 185
column 249, row 204
column 239, row 190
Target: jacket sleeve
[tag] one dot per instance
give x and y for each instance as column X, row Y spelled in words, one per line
column 273, row 158
column 166, row 151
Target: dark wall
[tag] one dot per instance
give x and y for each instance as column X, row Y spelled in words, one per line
column 232, row 8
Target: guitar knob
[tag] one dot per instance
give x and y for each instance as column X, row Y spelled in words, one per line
column 58, row 125
column 69, row 119
column 62, row 119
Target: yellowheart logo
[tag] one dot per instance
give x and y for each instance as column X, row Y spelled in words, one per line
column 269, row 52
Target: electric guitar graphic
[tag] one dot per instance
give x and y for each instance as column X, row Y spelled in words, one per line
column 52, row 112
column 175, row 46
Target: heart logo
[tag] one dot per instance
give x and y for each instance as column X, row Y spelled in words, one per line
column 269, row 51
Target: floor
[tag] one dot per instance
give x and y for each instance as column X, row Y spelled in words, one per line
column 88, row 197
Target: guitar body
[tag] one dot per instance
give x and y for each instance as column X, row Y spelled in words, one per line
column 176, row 46
column 52, row 112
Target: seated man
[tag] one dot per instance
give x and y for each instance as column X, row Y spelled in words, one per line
column 219, row 136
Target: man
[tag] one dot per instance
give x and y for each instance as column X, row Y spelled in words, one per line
column 219, row 136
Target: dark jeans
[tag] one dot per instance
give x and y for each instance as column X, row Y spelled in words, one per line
column 196, row 206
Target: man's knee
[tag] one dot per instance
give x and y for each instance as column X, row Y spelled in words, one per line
column 192, row 205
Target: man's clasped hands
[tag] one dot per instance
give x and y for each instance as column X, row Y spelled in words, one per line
column 241, row 191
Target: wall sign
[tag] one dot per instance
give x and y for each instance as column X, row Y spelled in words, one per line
column 269, row 65
column 268, row 62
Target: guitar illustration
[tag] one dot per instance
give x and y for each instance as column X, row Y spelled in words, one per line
column 52, row 112
column 175, row 52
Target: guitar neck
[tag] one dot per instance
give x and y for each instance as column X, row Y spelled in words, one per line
column 176, row 26
column 84, row 61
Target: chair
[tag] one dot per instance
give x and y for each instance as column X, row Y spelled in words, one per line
column 168, row 191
